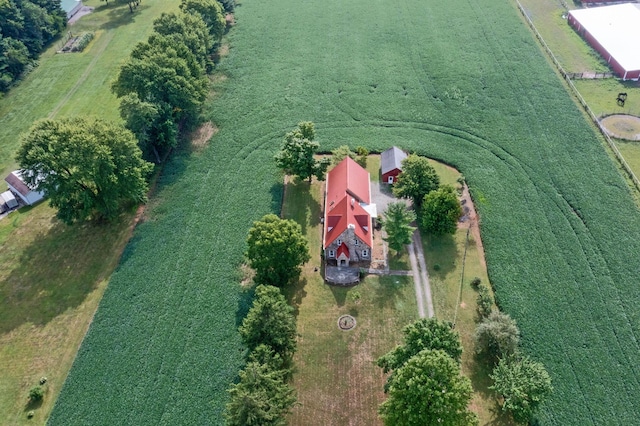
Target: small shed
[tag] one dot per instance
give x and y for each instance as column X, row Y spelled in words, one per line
column 71, row 7
column 19, row 188
column 7, row 201
column 391, row 164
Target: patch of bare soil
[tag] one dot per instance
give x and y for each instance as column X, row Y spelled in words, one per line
column 622, row 126
column 201, row 136
column 378, row 251
column 230, row 19
column 247, row 275
column 471, row 220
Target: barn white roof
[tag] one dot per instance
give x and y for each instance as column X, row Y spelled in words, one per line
column 617, row 29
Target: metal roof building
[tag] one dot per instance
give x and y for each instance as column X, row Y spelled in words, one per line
column 614, row 31
column 391, row 163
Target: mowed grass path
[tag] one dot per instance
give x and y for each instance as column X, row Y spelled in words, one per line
column 65, row 85
column 462, row 82
column 52, row 275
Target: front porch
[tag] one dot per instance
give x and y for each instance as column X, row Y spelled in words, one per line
column 341, row 275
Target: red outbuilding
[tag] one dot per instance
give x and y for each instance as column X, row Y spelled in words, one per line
column 391, row 164
column 614, row 32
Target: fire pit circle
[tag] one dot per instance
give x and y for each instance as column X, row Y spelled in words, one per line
column 346, row 322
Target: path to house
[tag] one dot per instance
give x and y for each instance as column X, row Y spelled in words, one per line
column 381, row 196
column 420, row 276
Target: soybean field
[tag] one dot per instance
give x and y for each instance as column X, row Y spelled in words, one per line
column 463, row 82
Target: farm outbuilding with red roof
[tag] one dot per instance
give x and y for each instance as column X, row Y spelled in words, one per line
column 348, row 223
column 391, row 164
column 614, row 32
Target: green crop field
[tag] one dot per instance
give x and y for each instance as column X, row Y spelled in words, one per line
column 52, row 275
column 463, row 82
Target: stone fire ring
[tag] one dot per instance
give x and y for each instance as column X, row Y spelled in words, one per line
column 346, row 322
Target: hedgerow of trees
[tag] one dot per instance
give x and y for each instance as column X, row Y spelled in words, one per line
column 263, row 395
column 91, row 168
column 522, row 382
column 425, row 385
column 26, row 27
column 276, row 250
column 164, row 83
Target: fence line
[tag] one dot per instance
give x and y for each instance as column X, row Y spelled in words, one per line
column 464, row 259
column 575, row 91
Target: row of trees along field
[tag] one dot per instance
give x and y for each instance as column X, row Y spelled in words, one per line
column 426, row 386
column 522, row 382
column 26, row 26
column 263, row 395
column 90, row 168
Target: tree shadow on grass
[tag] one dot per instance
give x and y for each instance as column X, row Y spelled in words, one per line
column 390, row 288
column 440, row 254
column 33, row 405
column 481, row 381
column 277, row 197
column 301, row 206
column 119, row 15
column 55, row 271
column 295, row 294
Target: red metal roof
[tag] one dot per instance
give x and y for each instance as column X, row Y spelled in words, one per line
column 347, row 187
column 343, row 249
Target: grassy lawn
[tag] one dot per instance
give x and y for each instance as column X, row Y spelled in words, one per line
column 573, row 53
column 77, row 83
column 335, row 375
column 53, row 276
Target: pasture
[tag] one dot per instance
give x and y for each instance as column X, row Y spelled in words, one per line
column 465, row 84
column 53, row 276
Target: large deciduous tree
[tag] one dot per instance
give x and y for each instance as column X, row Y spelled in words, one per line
column 276, row 250
column 163, row 70
column 426, row 333
column 261, row 398
column 296, row 157
column 396, row 223
column 440, row 211
column 497, row 336
column 212, row 14
column 428, row 390
column 87, row 167
column 417, row 179
column 523, row 383
column 270, row 322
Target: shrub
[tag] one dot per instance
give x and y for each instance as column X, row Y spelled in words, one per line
column 475, row 283
column 497, row 336
column 485, row 301
column 36, row 393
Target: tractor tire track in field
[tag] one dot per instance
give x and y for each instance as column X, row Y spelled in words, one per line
column 104, row 42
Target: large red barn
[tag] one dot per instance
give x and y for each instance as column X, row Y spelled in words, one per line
column 614, row 32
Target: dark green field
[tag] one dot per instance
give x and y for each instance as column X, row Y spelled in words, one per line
column 459, row 81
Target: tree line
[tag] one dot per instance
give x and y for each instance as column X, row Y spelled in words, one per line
column 26, row 26
column 263, row 395
column 91, row 168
